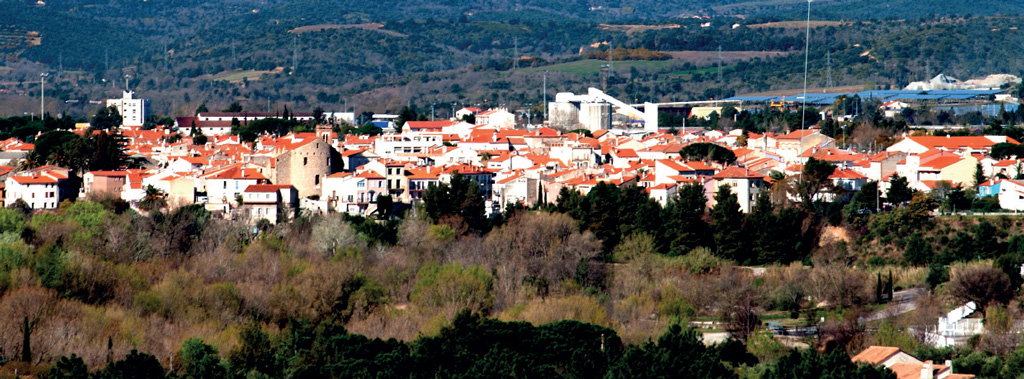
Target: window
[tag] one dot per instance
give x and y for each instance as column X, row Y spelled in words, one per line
column 304, row 160
column 316, row 180
column 360, row 184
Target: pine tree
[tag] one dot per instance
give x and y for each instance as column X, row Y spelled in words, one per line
column 685, row 227
column 979, row 175
column 727, row 226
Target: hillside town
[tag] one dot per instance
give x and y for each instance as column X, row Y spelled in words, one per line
column 513, row 162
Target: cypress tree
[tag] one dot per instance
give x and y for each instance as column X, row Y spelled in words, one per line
column 878, row 287
column 26, row 343
column 889, row 285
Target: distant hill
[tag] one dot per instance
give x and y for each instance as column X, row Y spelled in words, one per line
column 388, row 53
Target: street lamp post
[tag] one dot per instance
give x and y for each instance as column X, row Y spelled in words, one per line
column 42, row 94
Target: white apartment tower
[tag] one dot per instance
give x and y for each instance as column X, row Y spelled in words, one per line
column 132, row 110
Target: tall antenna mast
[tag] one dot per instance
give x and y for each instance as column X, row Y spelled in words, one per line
column 611, row 62
column 828, row 82
column 721, row 84
column 295, row 54
column 516, row 52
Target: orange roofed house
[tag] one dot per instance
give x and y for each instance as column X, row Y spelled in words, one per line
column 223, row 186
column 41, row 188
column 745, row 184
column 907, row 366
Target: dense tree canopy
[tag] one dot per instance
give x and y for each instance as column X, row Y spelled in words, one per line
column 460, row 200
column 707, row 152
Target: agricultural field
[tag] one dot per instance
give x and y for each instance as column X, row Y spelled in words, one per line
column 794, row 24
column 372, row 26
column 592, row 66
column 630, row 29
column 702, row 58
column 237, row 76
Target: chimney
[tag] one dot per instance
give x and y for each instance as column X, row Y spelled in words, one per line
column 926, row 370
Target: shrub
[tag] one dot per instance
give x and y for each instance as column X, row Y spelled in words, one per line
column 453, row 284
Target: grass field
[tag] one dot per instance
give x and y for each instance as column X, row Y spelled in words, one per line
column 702, row 58
column 366, row 26
column 706, row 70
column 630, row 29
column 794, row 24
column 593, row 66
column 236, row 76
column 699, row 58
column 757, row 4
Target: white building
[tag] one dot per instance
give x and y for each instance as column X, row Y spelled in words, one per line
column 500, row 118
column 42, row 188
column 132, row 110
column 955, row 328
column 744, row 183
column 405, row 146
column 268, row 201
column 224, row 186
column 1011, row 195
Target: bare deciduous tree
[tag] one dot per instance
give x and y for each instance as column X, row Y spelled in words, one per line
column 982, row 285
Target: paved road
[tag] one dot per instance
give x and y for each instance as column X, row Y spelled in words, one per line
column 903, row 302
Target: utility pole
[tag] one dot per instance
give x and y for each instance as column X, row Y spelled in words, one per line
column 803, row 110
column 545, row 95
column 42, row 95
column 431, row 112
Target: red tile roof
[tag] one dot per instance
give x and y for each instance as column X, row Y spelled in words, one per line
column 737, row 173
column 266, row 187
column 876, row 354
